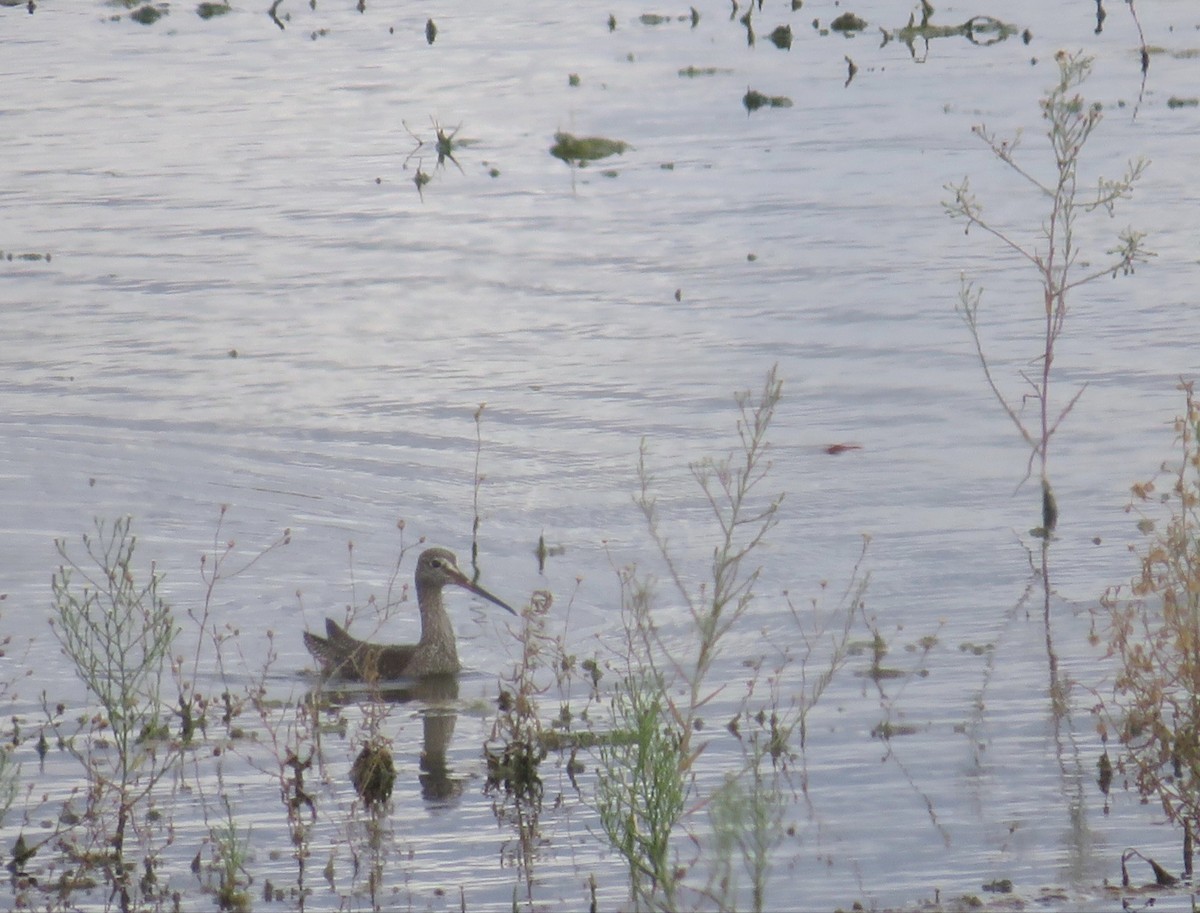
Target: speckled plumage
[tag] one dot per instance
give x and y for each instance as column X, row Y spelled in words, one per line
column 342, row 655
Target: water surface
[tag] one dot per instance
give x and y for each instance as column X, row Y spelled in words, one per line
column 248, row 303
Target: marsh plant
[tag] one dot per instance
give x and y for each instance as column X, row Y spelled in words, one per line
column 516, row 747
column 118, row 632
column 9, row 780
column 220, row 563
column 643, row 785
column 10, row 770
column 647, row 792
column 747, row 812
column 1155, row 636
column 517, row 744
column 231, row 853
column 1054, row 253
column 289, row 733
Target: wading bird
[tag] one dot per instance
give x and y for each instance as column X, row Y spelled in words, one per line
column 342, row 656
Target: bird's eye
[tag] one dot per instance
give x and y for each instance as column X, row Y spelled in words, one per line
column 436, row 562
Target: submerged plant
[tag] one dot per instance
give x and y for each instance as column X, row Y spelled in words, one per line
column 1056, row 256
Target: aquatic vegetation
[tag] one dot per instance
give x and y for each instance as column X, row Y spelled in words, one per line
column 652, row 19
column 692, row 72
column 444, row 145
column 476, row 487
column 420, row 179
column 231, row 853
column 1055, row 257
column 1051, row 247
column 642, row 788
column 646, row 788
column 578, row 150
column 373, row 773
column 10, row 773
column 9, row 780
column 208, row 10
column 118, row 635
column 1176, row 53
column 516, row 747
column 753, row 100
column 781, row 37
column 981, row 30
column 147, row 15
column 305, row 749
column 848, row 22
column 1155, row 636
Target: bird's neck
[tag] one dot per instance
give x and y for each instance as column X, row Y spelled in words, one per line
column 436, row 631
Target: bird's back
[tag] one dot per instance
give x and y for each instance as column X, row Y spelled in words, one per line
column 342, row 655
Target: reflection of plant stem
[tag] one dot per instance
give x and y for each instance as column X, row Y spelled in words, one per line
column 1057, row 260
column 476, row 483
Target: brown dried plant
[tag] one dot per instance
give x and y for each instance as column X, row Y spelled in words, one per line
column 1155, row 636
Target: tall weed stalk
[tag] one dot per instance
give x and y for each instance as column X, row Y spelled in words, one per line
column 647, row 790
column 118, row 633
column 1054, row 254
column 646, row 776
column 214, row 569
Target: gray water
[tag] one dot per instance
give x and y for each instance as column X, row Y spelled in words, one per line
column 248, row 303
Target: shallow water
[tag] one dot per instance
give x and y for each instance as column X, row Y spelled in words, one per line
column 206, row 188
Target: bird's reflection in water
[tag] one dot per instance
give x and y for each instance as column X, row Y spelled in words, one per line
column 438, row 694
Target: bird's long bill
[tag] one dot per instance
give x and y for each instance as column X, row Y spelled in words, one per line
column 465, row 582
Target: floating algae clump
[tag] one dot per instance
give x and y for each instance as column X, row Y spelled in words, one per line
column 848, row 22
column 146, row 15
column 580, row 149
column 373, row 774
column 753, row 100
